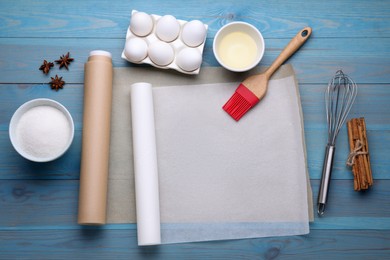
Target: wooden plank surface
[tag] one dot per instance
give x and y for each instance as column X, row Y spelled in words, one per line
column 47, row 203
column 275, row 19
column 317, row 61
column 15, row 167
column 104, row 244
column 38, row 202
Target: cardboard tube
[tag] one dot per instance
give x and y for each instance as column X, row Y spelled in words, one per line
column 95, row 139
column 145, row 165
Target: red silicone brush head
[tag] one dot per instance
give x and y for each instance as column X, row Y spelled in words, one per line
column 242, row 100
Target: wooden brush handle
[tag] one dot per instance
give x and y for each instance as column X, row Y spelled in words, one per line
column 289, row 50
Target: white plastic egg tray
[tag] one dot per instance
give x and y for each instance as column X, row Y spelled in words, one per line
column 187, row 46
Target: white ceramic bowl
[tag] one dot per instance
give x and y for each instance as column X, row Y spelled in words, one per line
column 250, row 44
column 16, row 119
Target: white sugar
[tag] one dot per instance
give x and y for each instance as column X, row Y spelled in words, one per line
column 43, row 131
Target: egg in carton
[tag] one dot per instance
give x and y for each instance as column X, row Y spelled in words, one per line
column 165, row 42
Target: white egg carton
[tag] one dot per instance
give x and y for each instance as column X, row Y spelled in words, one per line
column 178, row 46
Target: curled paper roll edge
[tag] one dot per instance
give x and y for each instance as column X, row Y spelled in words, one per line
column 145, row 165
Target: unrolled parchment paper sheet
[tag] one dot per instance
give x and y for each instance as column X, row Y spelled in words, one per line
column 218, row 179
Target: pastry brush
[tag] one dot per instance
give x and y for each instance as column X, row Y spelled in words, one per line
column 253, row 89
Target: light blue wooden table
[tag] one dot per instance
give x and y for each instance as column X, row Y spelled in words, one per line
column 38, row 202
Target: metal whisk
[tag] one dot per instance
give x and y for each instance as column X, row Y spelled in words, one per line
column 339, row 97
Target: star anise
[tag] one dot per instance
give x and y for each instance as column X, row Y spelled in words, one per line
column 45, row 67
column 56, row 83
column 64, row 61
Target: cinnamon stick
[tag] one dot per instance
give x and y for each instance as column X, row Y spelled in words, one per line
column 358, row 161
column 358, row 144
column 351, row 148
column 363, row 122
column 363, row 159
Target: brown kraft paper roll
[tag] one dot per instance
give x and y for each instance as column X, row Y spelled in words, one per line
column 95, row 139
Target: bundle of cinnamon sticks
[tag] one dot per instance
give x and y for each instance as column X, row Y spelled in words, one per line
column 359, row 158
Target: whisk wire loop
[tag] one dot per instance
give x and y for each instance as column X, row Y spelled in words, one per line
column 339, row 97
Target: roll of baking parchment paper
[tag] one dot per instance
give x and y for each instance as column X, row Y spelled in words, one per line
column 95, row 139
column 145, row 165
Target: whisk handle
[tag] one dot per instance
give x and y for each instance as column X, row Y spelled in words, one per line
column 325, row 179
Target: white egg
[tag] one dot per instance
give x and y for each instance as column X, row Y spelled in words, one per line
column 167, row 28
column 189, row 59
column 161, row 53
column 136, row 49
column 141, row 24
column 194, row 33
